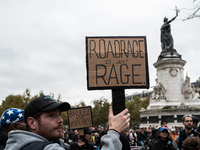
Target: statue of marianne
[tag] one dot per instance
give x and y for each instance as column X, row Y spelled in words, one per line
column 167, row 42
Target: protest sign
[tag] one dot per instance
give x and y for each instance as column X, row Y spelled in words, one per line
column 80, row 117
column 116, row 62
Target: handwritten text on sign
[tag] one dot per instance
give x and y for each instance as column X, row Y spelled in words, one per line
column 116, row 61
column 80, row 117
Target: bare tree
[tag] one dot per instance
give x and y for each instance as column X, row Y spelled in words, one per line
column 192, row 12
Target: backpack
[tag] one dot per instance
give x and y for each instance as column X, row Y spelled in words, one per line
column 36, row 145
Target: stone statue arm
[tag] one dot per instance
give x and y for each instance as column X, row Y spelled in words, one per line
column 177, row 11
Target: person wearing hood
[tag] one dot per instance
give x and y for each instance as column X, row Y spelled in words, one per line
column 11, row 119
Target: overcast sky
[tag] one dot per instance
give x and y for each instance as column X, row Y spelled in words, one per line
column 42, row 43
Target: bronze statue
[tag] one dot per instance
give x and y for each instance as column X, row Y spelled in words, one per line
column 167, row 42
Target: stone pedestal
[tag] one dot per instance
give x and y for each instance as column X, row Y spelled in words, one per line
column 170, row 74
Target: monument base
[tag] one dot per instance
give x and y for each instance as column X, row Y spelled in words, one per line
column 173, row 116
column 173, row 104
column 170, row 54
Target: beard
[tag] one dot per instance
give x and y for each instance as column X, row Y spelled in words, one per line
column 49, row 133
column 188, row 127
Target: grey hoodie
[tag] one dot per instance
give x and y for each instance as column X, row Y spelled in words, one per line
column 17, row 139
column 111, row 141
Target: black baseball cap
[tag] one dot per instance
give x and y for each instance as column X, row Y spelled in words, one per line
column 87, row 130
column 42, row 104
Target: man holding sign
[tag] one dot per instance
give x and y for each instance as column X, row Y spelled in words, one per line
column 44, row 125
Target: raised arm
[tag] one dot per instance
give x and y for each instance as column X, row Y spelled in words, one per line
column 177, row 11
column 117, row 125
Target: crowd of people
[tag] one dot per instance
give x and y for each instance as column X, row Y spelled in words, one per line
column 185, row 137
column 147, row 138
column 40, row 127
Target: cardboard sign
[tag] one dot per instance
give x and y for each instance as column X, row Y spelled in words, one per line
column 80, row 117
column 116, row 62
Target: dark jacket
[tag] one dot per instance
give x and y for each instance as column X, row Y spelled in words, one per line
column 88, row 146
column 141, row 136
column 3, row 139
column 125, row 142
column 75, row 138
column 155, row 134
column 66, row 140
column 163, row 145
column 149, row 142
column 182, row 137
